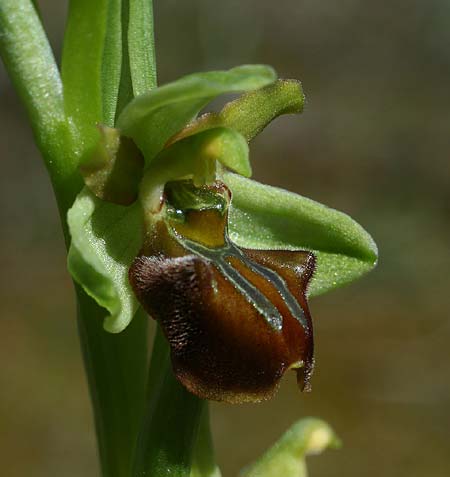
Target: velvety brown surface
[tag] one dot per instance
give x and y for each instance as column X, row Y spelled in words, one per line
column 297, row 269
column 222, row 345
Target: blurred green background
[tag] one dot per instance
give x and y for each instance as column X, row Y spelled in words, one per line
column 374, row 141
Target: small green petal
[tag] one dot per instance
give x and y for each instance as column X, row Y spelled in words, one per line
column 105, row 240
column 266, row 217
column 253, row 111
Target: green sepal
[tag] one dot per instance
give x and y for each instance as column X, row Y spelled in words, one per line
column 105, row 240
column 115, row 168
column 152, row 118
column 287, row 456
column 252, row 112
column 194, row 158
column 265, row 217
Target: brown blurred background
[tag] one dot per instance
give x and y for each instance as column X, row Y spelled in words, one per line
column 374, row 141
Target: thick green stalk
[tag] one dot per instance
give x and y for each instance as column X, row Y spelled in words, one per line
column 170, row 427
column 116, row 369
column 116, row 365
column 203, row 459
column 95, row 76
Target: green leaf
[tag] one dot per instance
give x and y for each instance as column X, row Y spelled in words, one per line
column 112, row 58
column 105, row 240
column 267, row 217
column 82, row 66
column 287, row 456
column 138, row 74
column 152, row 118
column 28, row 57
column 141, row 46
column 253, row 111
column 92, row 65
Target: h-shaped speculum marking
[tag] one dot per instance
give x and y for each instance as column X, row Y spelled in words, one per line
column 218, row 257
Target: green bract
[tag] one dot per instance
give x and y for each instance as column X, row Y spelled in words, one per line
column 287, row 456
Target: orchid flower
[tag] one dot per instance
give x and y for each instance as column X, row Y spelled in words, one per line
column 224, row 264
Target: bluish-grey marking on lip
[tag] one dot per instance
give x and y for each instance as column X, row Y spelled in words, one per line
column 218, row 256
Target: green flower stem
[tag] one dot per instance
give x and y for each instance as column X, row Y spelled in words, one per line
column 116, row 364
column 170, row 426
column 116, row 367
column 203, row 459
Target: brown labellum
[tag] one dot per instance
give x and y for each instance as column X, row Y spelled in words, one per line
column 235, row 319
